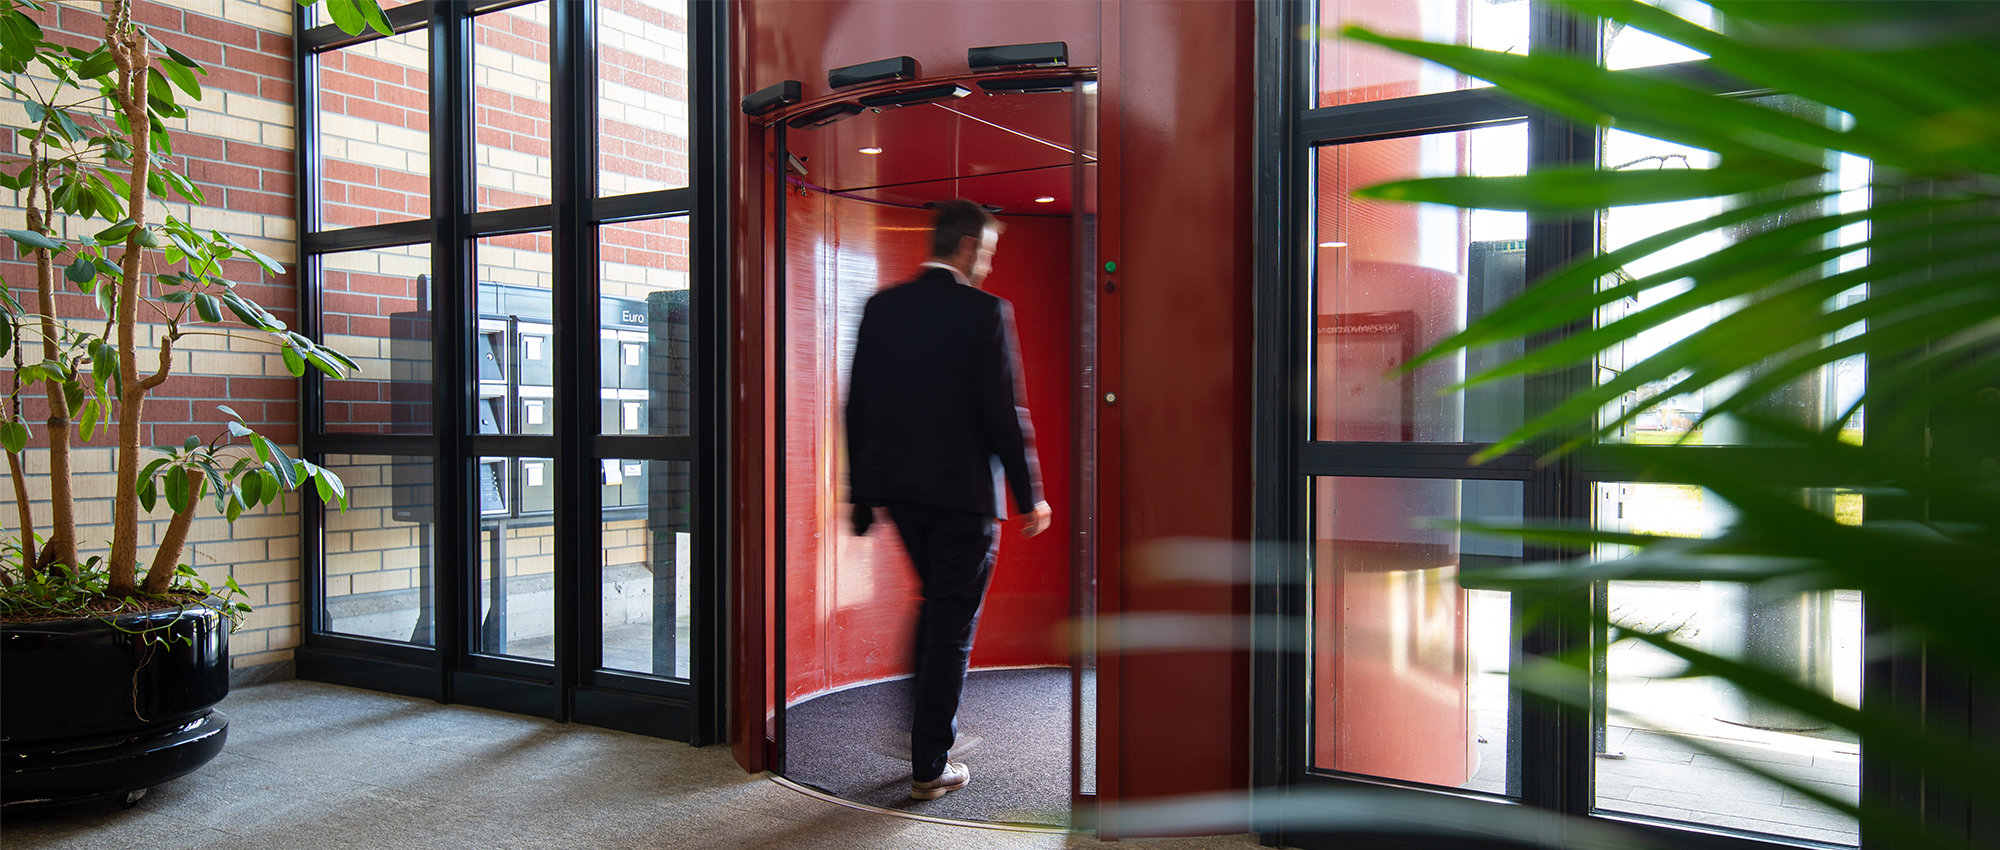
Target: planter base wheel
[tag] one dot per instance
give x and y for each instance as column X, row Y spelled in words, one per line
column 133, row 796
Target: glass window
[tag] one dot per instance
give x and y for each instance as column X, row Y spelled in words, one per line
column 374, row 132
column 1669, row 417
column 1393, row 278
column 375, row 306
column 648, row 559
column 1656, row 730
column 1409, row 670
column 1624, row 47
column 1353, row 72
column 644, row 359
column 514, row 343
column 511, row 98
column 517, row 557
column 642, row 95
column 378, row 575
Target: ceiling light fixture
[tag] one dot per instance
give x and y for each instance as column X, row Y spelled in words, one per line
column 1333, row 244
column 871, row 150
column 1045, row 199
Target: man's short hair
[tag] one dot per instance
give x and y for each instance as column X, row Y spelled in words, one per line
column 955, row 220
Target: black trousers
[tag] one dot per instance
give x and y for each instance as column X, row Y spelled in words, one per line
column 953, row 551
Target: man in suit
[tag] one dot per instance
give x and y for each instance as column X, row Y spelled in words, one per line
column 935, row 424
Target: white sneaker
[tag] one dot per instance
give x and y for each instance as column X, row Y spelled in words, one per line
column 954, row 777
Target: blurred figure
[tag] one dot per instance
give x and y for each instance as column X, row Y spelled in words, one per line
column 935, row 427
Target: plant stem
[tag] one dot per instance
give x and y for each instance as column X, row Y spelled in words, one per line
column 128, row 47
column 16, row 469
column 61, row 546
column 167, row 558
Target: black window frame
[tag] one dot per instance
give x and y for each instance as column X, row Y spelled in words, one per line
column 573, row 687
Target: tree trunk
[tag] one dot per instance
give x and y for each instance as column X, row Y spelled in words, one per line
column 61, row 546
column 129, row 48
column 167, row 558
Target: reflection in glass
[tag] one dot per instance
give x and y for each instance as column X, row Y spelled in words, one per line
column 374, row 132
column 1391, row 279
column 517, row 557
column 1409, row 670
column 375, row 306
column 1666, row 417
column 1650, row 725
column 513, row 344
column 645, row 384
column 642, row 95
column 1353, row 72
column 511, row 96
column 378, row 554
column 648, row 561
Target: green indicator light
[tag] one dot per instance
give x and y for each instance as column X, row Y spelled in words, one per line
column 1110, row 266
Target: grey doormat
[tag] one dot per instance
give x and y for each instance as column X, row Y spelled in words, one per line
column 1014, row 734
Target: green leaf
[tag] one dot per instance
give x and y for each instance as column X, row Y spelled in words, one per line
column 238, row 429
column 182, row 77
column 115, row 233
column 13, row 436
column 208, row 307
column 345, row 15
column 253, row 488
column 87, row 424
column 231, row 411
column 97, row 64
column 282, row 466
column 191, row 443
column 1581, row 189
column 372, row 10
column 177, row 489
column 183, row 59
column 30, row 239
column 67, row 124
column 82, row 271
column 149, row 492
column 250, row 314
column 293, row 362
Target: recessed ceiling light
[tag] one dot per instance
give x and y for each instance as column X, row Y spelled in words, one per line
column 871, row 150
column 1333, row 244
column 1045, row 199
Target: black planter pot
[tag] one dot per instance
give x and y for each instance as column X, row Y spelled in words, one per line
column 90, row 710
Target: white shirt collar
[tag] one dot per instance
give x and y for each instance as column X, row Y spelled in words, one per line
column 955, row 273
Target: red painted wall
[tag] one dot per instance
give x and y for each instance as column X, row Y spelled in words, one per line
column 1181, row 96
column 851, row 601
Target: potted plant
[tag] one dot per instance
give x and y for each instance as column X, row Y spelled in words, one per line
column 109, row 671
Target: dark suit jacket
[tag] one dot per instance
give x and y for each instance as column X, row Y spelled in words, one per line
column 934, row 401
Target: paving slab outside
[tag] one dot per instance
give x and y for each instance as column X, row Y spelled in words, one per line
column 1658, row 738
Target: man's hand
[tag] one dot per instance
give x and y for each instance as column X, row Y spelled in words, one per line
column 1037, row 520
